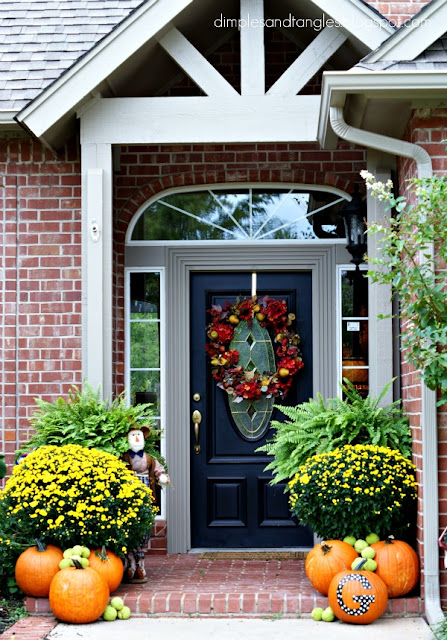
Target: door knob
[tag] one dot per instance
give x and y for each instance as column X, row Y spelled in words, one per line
column 197, row 419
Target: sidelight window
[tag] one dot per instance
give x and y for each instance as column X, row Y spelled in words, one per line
column 353, row 327
column 144, row 338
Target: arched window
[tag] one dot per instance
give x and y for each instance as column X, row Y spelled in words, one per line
column 244, row 214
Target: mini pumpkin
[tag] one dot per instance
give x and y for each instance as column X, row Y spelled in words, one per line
column 36, row 567
column 358, row 597
column 78, row 595
column 325, row 560
column 397, row 565
column 108, row 566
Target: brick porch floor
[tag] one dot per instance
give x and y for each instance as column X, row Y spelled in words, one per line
column 188, row 585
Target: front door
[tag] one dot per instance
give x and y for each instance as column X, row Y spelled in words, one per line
column 232, row 503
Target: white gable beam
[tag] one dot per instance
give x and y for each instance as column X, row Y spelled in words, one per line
column 63, row 96
column 309, row 62
column 357, row 18
column 201, row 120
column 252, row 48
column 195, row 65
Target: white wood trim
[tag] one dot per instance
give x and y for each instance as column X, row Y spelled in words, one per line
column 201, row 120
column 309, row 62
column 417, row 34
column 195, row 65
column 66, row 93
column 379, row 295
column 252, row 48
column 97, row 266
column 95, row 294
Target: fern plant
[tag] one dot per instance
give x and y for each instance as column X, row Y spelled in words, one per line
column 87, row 420
column 320, row 426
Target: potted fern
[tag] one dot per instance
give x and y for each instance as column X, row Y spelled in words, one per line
column 87, row 420
column 320, row 426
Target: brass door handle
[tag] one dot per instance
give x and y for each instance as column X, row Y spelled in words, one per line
column 197, row 419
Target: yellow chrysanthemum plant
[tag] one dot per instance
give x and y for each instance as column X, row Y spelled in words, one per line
column 353, row 490
column 72, row 494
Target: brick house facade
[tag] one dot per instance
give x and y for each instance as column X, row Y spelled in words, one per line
column 42, row 316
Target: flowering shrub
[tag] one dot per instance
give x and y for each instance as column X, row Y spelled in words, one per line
column 71, row 494
column 353, row 490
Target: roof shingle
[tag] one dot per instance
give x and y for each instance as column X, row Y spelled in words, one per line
column 39, row 40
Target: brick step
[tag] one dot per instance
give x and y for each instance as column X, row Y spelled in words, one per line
column 144, row 602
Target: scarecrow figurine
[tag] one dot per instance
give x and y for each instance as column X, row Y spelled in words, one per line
column 149, row 471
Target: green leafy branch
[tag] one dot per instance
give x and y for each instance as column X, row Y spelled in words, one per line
column 416, row 273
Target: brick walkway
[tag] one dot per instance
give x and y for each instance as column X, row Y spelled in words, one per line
column 190, row 585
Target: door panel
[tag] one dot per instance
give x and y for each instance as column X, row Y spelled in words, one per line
column 232, row 503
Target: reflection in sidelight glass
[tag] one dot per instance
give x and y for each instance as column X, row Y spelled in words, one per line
column 242, row 214
column 353, row 325
column 144, row 338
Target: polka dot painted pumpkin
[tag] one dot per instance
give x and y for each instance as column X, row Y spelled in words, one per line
column 325, row 560
column 358, row 597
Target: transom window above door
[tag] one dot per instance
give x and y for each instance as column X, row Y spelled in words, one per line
column 245, row 214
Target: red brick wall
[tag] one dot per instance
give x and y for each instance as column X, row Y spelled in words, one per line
column 426, row 128
column 398, row 11
column 40, row 302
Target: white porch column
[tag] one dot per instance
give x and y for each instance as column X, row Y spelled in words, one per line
column 97, row 269
column 380, row 331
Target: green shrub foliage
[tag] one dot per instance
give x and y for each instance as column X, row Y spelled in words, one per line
column 86, row 420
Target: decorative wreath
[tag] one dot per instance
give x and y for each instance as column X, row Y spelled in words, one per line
column 272, row 314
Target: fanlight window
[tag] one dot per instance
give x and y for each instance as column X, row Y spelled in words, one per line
column 242, row 214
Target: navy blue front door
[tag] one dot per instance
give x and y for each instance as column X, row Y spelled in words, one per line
column 232, row 503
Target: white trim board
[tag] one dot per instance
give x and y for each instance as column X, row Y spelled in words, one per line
column 201, row 120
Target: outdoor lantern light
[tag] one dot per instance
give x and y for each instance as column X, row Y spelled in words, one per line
column 354, row 215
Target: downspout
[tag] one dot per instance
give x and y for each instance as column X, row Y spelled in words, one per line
column 430, row 503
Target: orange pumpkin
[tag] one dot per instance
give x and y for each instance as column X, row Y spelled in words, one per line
column 359, row 597
column 397, row 565
column 36, row 567
column 325, row 560
column 108, row 566
column 78, row 595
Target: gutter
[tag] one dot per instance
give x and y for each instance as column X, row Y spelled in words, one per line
column 430, row 502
